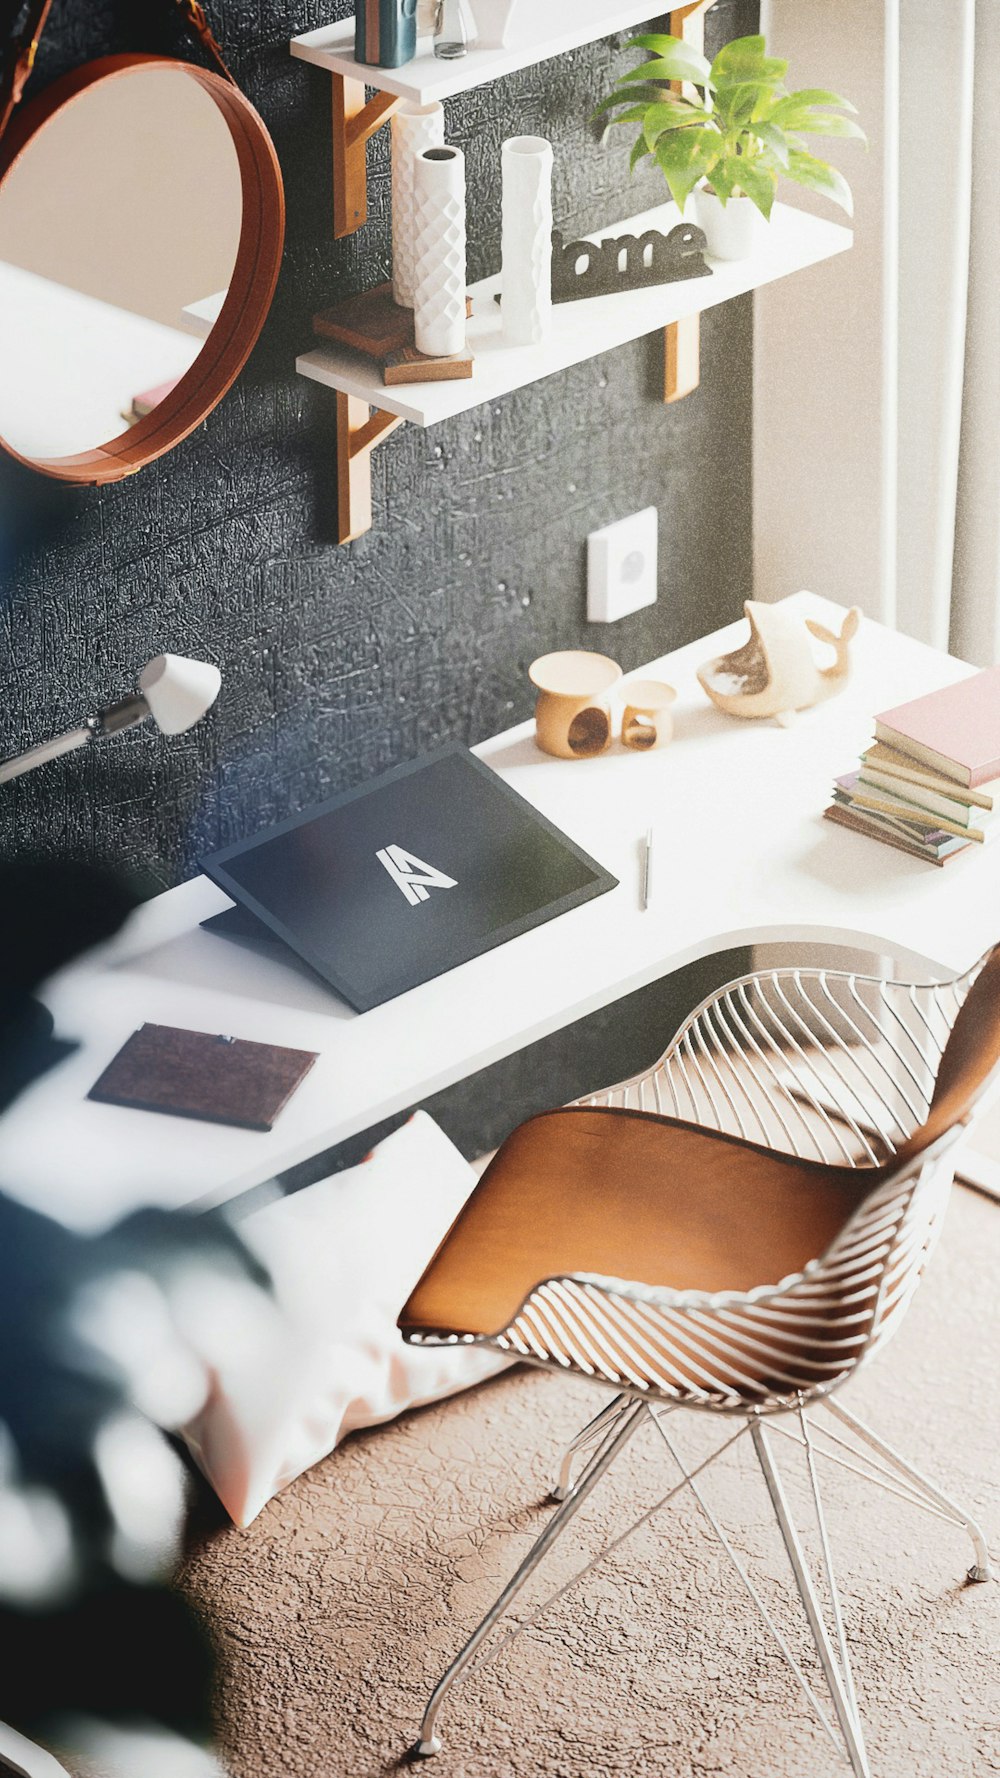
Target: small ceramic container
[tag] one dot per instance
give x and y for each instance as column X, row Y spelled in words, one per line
column 646, row 720
column 573, row 712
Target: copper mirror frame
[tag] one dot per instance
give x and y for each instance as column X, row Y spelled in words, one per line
column 251, row 287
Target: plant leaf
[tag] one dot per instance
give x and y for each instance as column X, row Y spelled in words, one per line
column 687, row 66
column 736, row 104
column 757, row 183
column 634, row 114
column 668, row 48
column 817, row 95
column 774, row 140
column 658, row 119
column 734, row 172
column 639, row 152
column 816, row 175
column 724, row 177
column 685, row 156
column 829, row 123
column 743, row 59
column 632, row 95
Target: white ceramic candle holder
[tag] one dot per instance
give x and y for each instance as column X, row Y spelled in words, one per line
column 414, row 127
column 526, row 276
column 439, row 251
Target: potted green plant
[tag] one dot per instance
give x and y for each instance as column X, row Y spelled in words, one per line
column 728, row 131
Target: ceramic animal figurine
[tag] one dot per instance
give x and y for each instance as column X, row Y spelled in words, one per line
column 774, row 673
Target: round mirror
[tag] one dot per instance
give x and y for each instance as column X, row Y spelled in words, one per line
column 141, row 225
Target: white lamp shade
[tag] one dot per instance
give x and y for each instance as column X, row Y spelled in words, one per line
column 179, row 691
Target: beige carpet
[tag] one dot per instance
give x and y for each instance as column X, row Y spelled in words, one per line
column 339, row 1608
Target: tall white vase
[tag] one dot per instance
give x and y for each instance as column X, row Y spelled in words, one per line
column 526, row 275
column 414, row 127
column 439, row 251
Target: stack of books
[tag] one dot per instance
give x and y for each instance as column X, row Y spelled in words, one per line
column 930, row 782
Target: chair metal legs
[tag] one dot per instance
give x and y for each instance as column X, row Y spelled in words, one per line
column 620, row 1432
column 838, row 1675
column 591, row 1435
column 605, row 1436
column 922, row 1491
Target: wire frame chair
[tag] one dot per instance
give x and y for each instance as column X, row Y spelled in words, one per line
column 836, row 1070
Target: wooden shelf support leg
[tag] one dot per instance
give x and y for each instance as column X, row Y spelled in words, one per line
column 353, row 123
column 681, row 358
column 358, row 430
column 682, row 339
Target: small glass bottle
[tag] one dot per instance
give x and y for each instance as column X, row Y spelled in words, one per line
column 451, row 34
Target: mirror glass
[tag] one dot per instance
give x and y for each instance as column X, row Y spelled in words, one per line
column 119, row 229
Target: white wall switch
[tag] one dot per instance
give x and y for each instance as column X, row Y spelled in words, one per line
column 621, row 567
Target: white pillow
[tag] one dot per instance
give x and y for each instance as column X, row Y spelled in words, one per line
column 327, row 1357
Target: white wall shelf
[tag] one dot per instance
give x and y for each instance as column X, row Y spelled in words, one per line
column 366, row 411
column 426, row 78
column 580, row 330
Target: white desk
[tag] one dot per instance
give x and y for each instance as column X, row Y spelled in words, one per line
column 71, row 365
column 743, row 857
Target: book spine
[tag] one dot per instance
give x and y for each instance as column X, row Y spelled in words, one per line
column 910, row 812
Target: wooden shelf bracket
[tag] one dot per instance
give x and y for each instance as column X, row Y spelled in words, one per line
column 359, row 429
column 354, row 121
column 682, row 339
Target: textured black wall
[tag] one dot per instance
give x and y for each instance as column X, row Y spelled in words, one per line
column 337, row 662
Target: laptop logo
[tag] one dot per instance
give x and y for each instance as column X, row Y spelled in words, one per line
column 411, row 875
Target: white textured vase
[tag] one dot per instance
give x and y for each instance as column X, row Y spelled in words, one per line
column 526, row 275
column 439, row 251
column 414, row 127
column 733, row 230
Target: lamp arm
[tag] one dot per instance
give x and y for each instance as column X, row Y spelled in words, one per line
column 46, row 750
column 109, row 721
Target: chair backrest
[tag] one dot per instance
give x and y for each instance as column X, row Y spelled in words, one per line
column 971, row 1056
column 869, row 1273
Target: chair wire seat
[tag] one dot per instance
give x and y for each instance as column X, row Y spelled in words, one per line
column 832, row 1068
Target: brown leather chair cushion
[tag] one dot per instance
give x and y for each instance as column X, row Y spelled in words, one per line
column 627, row 1194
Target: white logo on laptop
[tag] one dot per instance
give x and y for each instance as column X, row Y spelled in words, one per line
column 411, row 875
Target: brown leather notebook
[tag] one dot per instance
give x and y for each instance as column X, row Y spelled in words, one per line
column 224, row 1080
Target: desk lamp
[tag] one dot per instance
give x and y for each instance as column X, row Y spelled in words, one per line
column 174, row 691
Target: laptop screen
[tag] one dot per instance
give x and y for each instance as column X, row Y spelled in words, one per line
column 410, row 874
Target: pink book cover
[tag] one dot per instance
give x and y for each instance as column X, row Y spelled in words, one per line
column 960, row 722
column 144, row 404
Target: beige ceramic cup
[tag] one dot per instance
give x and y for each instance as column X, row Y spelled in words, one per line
column 646, row 721
column 573, row 712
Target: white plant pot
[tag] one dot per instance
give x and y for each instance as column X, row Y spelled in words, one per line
column 495, row 21
column 526, row 274
column 414, row 127
column 733, row 230
column 439, row 251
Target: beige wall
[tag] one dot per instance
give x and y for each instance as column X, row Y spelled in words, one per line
column 131, row 194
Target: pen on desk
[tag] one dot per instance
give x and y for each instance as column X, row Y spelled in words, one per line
column 647, row 870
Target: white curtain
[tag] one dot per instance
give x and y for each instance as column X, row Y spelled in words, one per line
column 948, row 353
column 877, row 376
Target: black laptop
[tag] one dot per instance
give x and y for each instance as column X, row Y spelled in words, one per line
column 395, row 882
